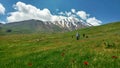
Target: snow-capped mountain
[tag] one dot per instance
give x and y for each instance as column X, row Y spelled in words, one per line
column 35, row 26
column 71, row 23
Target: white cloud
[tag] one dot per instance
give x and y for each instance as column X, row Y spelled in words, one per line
column 27, row 11
column 73, row 10
column 83, row 15
column 93, row 21
column 2, row 9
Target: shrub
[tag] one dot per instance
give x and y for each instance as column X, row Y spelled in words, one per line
column 86, row 36
column 109, row 44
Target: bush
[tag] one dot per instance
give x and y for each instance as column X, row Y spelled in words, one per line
column 109, row 44
column 86, row 36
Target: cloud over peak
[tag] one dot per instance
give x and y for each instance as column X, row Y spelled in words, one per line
column 27, row 11
column 83, row 15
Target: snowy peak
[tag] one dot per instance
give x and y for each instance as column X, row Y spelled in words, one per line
column 71, row 23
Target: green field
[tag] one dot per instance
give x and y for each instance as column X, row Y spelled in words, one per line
column 59, row 50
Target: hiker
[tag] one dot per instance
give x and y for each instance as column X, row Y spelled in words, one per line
column 83, row 35
column 77, row 36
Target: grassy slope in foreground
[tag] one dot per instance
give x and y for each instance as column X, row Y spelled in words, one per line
column 101, row 49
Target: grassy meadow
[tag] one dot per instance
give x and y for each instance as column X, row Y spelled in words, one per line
column 100, row 49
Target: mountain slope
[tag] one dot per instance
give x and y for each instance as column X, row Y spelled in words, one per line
column 99, row 50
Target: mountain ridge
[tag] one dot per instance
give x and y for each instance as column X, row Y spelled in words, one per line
column 34, row 26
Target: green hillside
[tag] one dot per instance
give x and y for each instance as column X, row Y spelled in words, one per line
column 100, row 48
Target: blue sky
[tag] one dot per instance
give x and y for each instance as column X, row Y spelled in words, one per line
column 103, row 10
